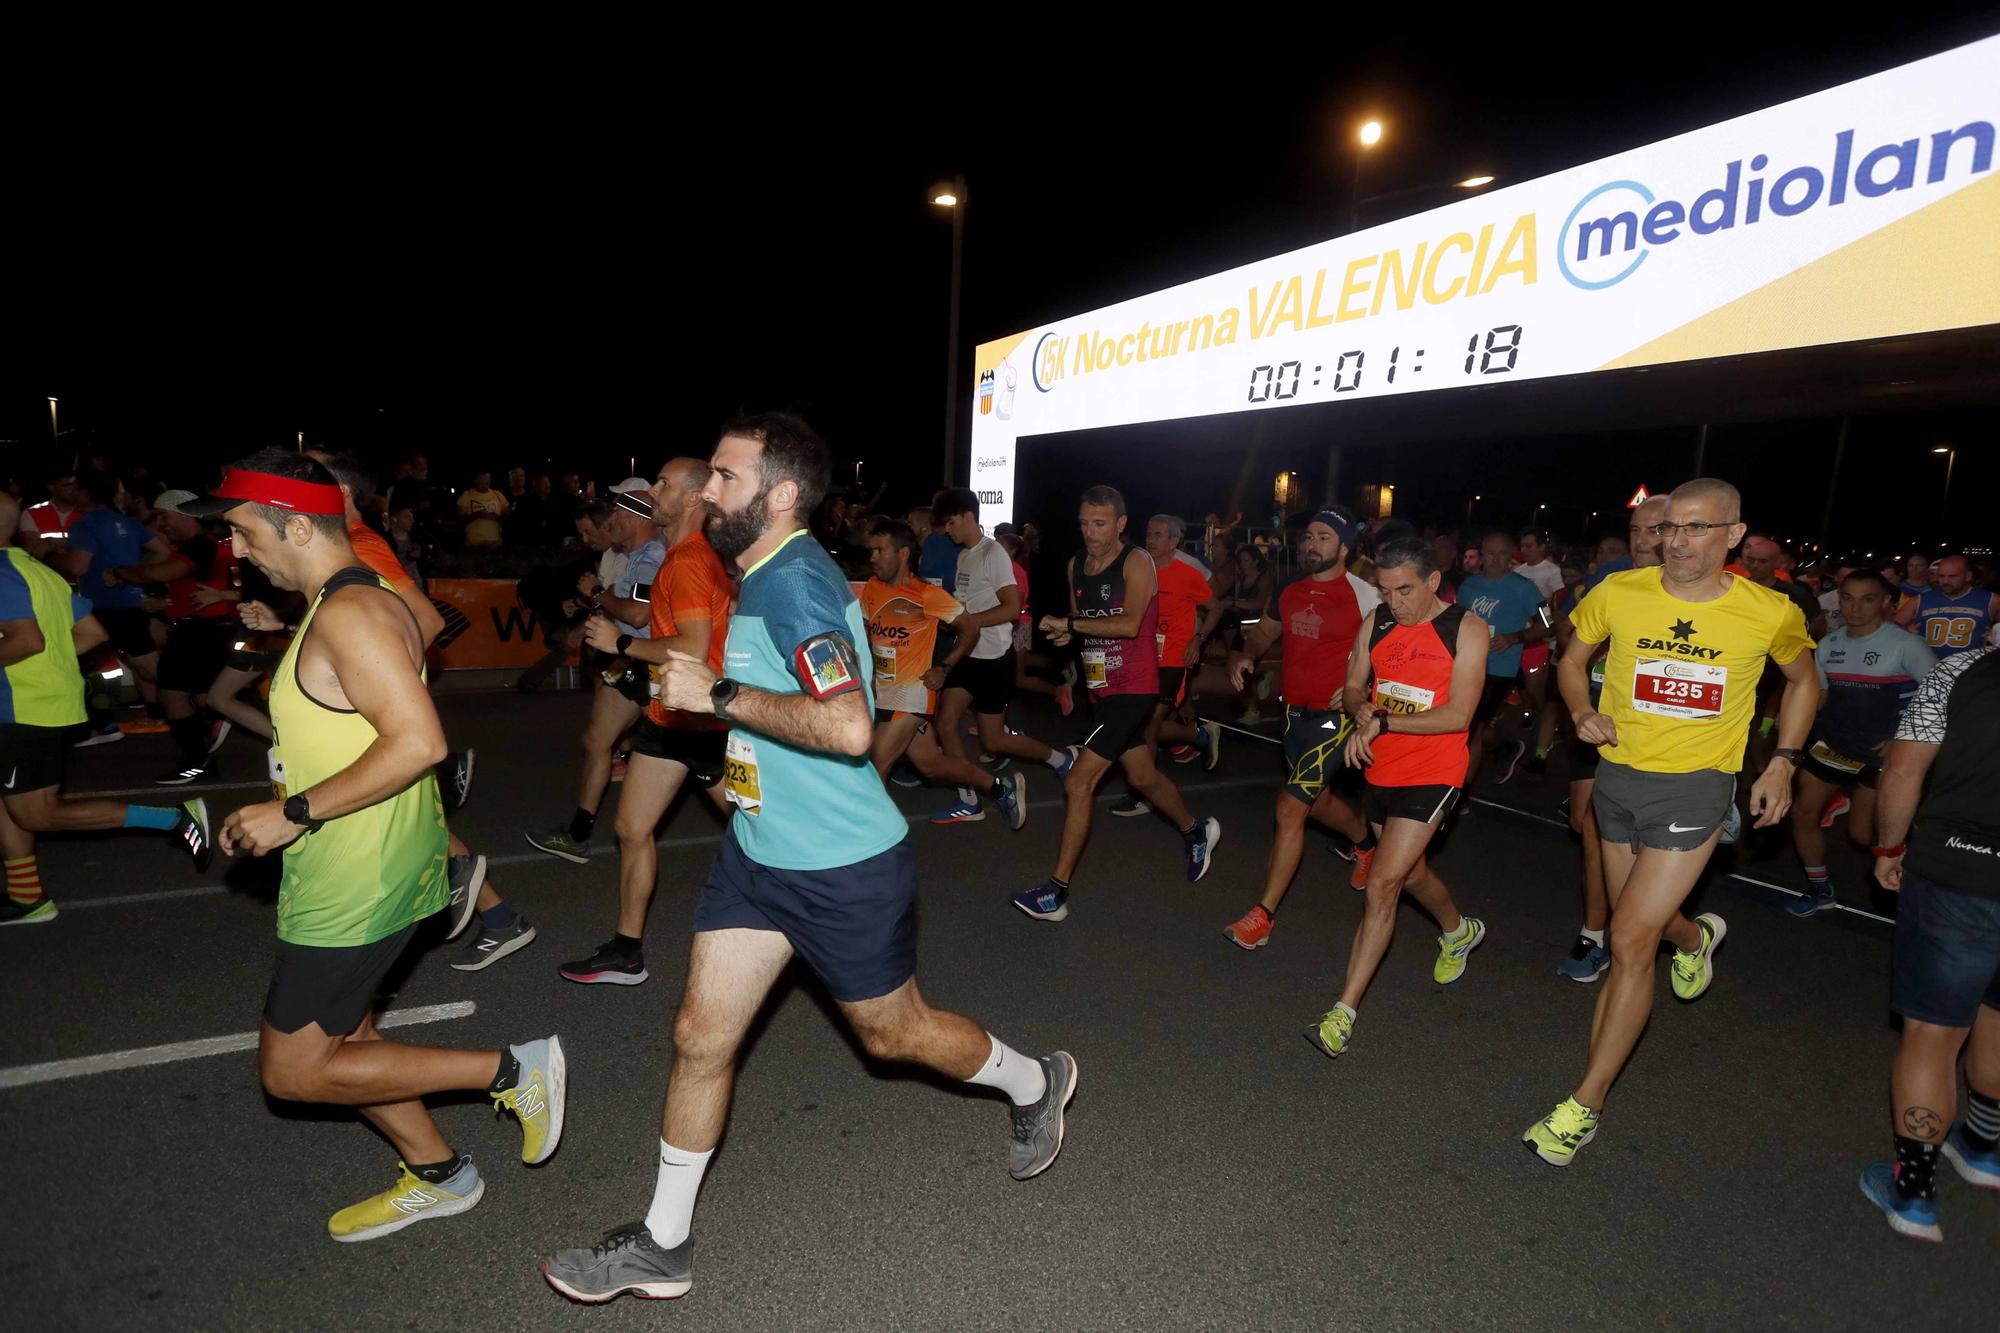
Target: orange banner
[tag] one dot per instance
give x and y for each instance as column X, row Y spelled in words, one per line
column 484, row 626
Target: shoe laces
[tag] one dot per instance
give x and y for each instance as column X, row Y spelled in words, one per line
column 1569, row 1120
column 618, row 1238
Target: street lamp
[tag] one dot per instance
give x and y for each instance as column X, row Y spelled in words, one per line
column 1469, row 183
column 54, row 433
column 951, row 195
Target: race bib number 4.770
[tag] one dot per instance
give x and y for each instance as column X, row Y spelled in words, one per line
column 1393, row 696
column 1668, row 687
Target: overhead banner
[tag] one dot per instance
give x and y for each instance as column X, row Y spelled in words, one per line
column 1865, row 211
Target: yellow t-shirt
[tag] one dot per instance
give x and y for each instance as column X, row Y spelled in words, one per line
column 1681, row 679
column 482, row 512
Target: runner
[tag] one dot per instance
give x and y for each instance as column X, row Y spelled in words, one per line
column 363, row 831
column 99, row 538
column 979, row 668
column 1114, row 611
column 41, row 529
column 1319, row 618
column 1687, row 647
column 817, row 863
column 1509, row 603
column 1868, row 669
column 615, row 708
column 1947, row 947
column 689, row 603
column 1425, row 659
column 1952, row 615
column 1184, row 625
column 902, row 612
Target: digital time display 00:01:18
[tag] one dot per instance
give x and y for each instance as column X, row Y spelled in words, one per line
column 1496, row 356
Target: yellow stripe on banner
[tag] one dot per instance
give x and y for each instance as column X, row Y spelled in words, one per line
column 1938, row 268
column 990, row 355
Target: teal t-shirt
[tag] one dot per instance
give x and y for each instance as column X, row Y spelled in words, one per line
column 797, row 628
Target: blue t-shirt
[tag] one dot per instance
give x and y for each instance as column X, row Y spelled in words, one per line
column 1948, row 624
column 1867, row 682
column 112, row 539
column 641, row 568
column 1504, row 603
column 937, row 561
column 800, row 809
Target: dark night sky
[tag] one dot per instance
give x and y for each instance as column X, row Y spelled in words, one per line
column 528, row 246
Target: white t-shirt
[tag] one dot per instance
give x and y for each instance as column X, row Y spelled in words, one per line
column 1547, row 576
column 983, row 570
column 611, row 565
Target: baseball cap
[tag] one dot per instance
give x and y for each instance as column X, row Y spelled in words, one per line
column 172, row 501
column 631, row 485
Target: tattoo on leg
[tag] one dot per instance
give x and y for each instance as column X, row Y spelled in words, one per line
column 1920, row 1122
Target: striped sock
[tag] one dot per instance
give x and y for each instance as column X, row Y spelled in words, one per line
column 1982, row 1116
column 1816, row 880
column 24, row 880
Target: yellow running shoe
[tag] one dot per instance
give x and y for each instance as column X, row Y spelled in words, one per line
column 537, row 1097
column 1452, row 950
column 1556, row 1137
column 1333, row 1031
column 409, row 1200
column 1692, row 972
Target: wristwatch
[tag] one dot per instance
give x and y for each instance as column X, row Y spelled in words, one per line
column 624, row 642
column 721, row 695
column 1385, row 716
column 1788, row 754
column 299, row 810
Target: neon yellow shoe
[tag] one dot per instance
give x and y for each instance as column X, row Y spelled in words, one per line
column 1556, row 1137
column 1452, row 950
column 538, row 1097
column 1333, row 1031
column 1692, row 972
column 409, row 1200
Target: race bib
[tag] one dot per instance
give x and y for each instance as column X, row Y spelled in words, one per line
column 739, row 776
column 1160, row 643
column 885, row 662
column 1093, row 668
column 1393, row 696
column 276, row 763
column 1668, row 687
column 1834, row 759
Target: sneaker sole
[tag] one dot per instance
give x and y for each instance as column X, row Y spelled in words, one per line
column 960, row 819
column 469, row 908
column 1122, row 812
column 1062, row 1120
column 1312, row 1036
column 104, row 738
column 1229, row 933
column 38, row 917
column 1538, row 1150
column 1059, row 914
column 605, row 978
column 1584, row 981
column 452, row 1209
column 570, row 857
column 1708, row 962
column 215, row 743
column 1973, row 1174
column 645, row 1291
column 558, row 1096
column 519, row 942
column 1507, row 772
column 1901, row 1225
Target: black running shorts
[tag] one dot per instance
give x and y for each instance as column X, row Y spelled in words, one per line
column 989, row 680
column 1121, row 721
column 700, row 750
column 333, row 987
column 31, row 758
column 1313, row 744
column 196, row 651
column 1426, row 804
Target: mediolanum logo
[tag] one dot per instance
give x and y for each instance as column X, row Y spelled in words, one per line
column 983, row 464
column 1612, row 229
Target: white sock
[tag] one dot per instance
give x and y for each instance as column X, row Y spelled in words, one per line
column 672, row 1214
column 969, row 796
column 1594, row 936
column 1056, row 757
column 1013, row 1073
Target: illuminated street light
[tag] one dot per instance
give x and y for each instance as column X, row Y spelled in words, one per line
column 945, row 199
column 1474, row 182
column 1371, row 134
column 951, row 194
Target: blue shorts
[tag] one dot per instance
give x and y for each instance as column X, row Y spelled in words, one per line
column 854, row 925
column 1947, row 954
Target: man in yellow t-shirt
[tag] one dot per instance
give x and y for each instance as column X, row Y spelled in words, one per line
column 1688, row 643
column 481, row 510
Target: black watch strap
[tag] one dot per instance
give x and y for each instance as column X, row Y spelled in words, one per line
column 624, row 642
column 299, row 810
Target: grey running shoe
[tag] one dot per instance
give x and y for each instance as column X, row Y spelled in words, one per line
column 559, row 843
column 455, row 778
column 628, row 1259
column 468, row 876
column 490, row 945
column 1038, row 1129
column 1129, row 805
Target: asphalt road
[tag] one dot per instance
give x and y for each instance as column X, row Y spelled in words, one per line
column 1219, row 1172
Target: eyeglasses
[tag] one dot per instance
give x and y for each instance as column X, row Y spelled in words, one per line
column 1691, row 529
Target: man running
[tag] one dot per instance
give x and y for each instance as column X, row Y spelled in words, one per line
column 1868, row 669
column 1411, row 693
column 816, row 863
column 902, row 612
column 1688, row 645
column 1952, row 616
column 362, row 827
column 1184, row 626
column 689, row 608
column 1947, row 947
column 979, row 668
column 1319, row 618
column 1509, row 603
column 1114, row 610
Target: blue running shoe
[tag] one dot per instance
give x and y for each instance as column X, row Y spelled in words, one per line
column 1048, row 901
column 1069, row 762
column 903, row 775
column 1201, row 846
column 959, row 812
column 1588, row 960
column 1011, row 790
column 1813, row 902
column 1911, row 1217
column 1980, row 1167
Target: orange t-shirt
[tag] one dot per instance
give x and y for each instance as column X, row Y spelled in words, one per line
column 1183, row 588
column 691, row 586
column 902, row 637
column 374, row 551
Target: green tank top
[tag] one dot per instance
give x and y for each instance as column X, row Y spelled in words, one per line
column 366, row 875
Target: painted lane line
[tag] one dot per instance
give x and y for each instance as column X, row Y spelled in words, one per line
column 21, row 1076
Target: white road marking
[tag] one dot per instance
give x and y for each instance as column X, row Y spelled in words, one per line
column 21, row 1076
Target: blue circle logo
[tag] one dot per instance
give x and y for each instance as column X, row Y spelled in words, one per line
column 1562, row 240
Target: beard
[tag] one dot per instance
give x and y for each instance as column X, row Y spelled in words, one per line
column 733, row 534
column 1310, row 561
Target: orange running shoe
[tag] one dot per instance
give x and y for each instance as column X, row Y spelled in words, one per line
column 1251, row 929
column 1362, row 860
column 143, row 726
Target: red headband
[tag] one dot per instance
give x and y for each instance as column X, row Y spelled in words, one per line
column 301, row 497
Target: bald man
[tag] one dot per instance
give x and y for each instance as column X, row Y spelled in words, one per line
column 1951, row 616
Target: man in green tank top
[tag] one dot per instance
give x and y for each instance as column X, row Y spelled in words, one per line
column 362, row 828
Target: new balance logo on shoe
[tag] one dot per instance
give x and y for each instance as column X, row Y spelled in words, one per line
column 413, row 1202
column 530, row 1101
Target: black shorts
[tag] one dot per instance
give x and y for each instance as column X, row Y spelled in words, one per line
column 1173, row 687
column 1492, row 696
column 1121, row 721
column 333, row 987
column 196, row 650
column 31, row 758
column 1835, row 766
column 1425, row 804
column 1583, row 759
column 989, row 680
column 1313, row 744
column 854, row 925
column 129, row 629
column 700, row 750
